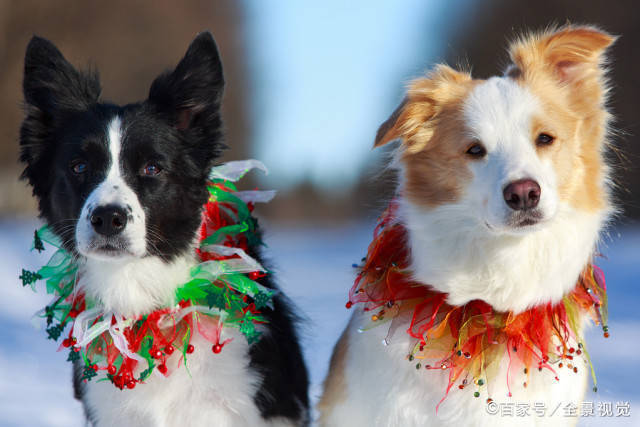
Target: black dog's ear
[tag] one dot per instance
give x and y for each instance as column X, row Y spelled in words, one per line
column 52, row 86
column 189, row 97
column 51, row 83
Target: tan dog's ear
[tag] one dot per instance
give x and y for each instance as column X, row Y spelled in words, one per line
column 425, row 98
column 390, row 129
column 573, row 53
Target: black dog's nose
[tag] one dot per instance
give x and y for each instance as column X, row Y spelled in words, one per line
column 522, row 194
column 108, row 220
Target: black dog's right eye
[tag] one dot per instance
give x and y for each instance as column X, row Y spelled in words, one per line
column 79, row 167
column 151, row 169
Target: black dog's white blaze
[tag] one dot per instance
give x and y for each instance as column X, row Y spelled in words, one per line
column 112, row 221
column 123, row 186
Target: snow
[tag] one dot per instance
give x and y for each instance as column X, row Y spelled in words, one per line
column 313, row 266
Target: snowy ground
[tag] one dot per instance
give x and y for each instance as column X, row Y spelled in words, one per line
column 313, row 265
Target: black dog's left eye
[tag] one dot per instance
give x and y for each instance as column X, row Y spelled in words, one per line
column 544, row 139
column 79, row 167
column 151, row 169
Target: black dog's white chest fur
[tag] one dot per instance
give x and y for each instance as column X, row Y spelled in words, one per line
column 123, row 187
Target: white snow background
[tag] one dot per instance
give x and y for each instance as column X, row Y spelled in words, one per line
column 313, row 267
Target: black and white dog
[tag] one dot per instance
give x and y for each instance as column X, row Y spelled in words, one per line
column 123, row 187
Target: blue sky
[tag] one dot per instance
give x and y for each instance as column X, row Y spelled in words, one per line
column 326, row 74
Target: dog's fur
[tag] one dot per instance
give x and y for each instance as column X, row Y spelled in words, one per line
column 151, row 160
column 464, row 238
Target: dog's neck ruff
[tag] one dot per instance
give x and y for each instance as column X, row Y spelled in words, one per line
column 222, row 290
column 471, row 340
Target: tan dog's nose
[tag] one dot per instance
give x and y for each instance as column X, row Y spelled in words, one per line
column 522, row 194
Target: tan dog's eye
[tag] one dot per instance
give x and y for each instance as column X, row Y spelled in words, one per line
column 544, row 139
column 477, row 150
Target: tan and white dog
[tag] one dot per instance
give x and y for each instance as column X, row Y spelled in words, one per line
column 504, row 191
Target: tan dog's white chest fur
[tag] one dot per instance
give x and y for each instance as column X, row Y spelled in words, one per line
column 503, row 192
column 380, row 387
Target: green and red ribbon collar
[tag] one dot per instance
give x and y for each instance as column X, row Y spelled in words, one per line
column 223, row 291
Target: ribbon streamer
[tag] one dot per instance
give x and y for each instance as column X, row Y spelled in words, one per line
column 234, row 171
